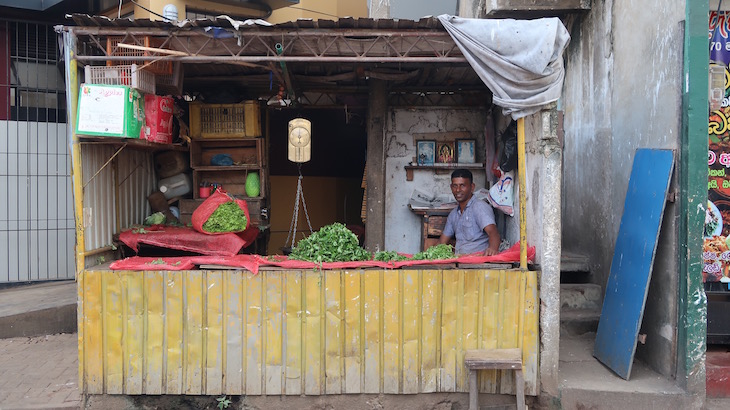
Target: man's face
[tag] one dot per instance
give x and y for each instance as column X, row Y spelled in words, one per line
column 462, row 189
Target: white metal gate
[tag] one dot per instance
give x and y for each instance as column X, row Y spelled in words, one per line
column 36, row 206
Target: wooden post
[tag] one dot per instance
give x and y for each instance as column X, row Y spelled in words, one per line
column 377, row 110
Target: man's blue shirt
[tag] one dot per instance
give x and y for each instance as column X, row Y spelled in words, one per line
column 468, row 226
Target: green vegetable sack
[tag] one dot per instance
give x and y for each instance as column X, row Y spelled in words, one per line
column 228, row 217
column 332, row 243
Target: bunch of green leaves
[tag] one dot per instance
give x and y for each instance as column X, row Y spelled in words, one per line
column 332, row 243
column 387, row 256
column 228, row 217
column 157, row 218
column 442, row 251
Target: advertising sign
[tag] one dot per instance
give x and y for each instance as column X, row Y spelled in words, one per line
column 716, row 251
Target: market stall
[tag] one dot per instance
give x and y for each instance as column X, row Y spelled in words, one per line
column 241, row 320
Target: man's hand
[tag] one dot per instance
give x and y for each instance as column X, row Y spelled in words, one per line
column 490, row 252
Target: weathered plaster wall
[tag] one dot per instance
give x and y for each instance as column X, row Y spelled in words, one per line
column 623, row 92
column 403, row 227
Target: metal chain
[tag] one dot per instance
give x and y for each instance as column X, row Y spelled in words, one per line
column 295, row 215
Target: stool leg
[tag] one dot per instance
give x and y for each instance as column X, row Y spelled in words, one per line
column 520, row 387
column 473, row 390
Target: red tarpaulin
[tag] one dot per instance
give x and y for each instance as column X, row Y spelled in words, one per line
column 188, row 239
column 254, row 262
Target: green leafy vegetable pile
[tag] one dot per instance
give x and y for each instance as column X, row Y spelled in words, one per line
column 332, row 243
column 442, row 251
column 228, row 217
column 387, row 256
column 157, row 218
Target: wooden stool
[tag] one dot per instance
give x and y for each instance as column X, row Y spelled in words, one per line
column 505, row 359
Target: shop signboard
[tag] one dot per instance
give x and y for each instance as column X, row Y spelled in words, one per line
column 716, row 251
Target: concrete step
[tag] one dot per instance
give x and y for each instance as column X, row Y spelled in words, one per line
column 38, row 309
column 578, row 322
column 585, row 383
column 574, row 262
column 580, row 296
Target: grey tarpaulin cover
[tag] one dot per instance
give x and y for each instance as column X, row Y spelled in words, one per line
column 521, row 61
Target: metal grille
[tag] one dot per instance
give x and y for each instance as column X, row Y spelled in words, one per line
column 36, row 207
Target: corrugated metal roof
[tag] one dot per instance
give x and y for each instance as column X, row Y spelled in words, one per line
column 425, row 23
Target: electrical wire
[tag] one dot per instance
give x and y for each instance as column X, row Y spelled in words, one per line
column 313, row 11
column 149, row 11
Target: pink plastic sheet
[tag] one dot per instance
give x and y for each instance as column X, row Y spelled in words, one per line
column 188, row 239
column 252, row 263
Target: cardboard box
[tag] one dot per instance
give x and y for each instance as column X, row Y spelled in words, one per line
column 110, row 111
column 158, row 119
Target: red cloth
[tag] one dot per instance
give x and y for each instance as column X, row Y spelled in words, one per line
column 206, row 209
column 254, row 262
column 184, row 239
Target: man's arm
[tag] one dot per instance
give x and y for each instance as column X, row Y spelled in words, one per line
column 494, row 240
column 444, row 239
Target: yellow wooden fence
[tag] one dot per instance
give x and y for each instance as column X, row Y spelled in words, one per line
column 301, row 332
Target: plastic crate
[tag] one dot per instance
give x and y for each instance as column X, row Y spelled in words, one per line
column 170, row 84
column 129, row 75
column 225, row 120
column 156, row 67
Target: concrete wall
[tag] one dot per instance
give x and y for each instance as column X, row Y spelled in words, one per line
column 403, row 227
column 622, row 92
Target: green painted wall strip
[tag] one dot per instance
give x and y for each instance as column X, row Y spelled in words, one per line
column 693, row 198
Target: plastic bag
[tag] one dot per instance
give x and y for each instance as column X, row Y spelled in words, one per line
column 221, row 160
column 508, row 157
column 206, row 209
column 501, row 194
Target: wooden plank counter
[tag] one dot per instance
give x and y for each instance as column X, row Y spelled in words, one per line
column 302, row 332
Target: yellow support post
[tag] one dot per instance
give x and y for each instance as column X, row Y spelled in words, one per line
column 522, row 171
column 72, row 88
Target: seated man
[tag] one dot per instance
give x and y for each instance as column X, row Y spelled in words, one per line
column 472, row 221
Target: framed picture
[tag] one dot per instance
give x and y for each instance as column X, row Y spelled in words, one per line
column 465, row 152
column 425, row 152
column 445, row 152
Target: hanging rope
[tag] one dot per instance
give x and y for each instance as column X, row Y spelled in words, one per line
column 295, row 215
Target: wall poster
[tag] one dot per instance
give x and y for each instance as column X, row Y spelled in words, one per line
column 716, row 250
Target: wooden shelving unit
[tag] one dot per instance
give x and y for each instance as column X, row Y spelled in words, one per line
column 444, row 167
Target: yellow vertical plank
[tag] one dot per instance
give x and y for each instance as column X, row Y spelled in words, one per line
column 293, row 335
column 411, row 312
column 490, row 325
column 274, row 341
column 458, row 347
column 449, row 330
column 92, row 353
column 371, row 319
column 509, row 331
column 334, row 332
column 391, row 331
column 135, row 334
column 194, row 322
column 470, row 319
column 352, row 335
column 174, row 331
column 254, row 344
column 214, row 351
column 430, row 330
column 155, row 328
column 530, row 334
column 233, row 323
column 113, row 333
column 313, row 377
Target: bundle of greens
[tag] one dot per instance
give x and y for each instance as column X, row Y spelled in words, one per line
column 442, row 251
column 332, row 243
column 387, row 256
column 228, row 217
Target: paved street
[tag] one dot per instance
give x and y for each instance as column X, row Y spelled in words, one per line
column 39, row 372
